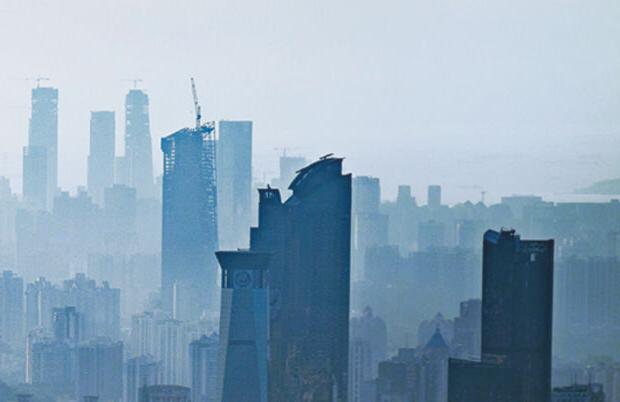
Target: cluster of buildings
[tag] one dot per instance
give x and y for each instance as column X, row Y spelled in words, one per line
column 203, row 286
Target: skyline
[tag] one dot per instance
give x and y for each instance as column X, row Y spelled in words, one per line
column 460, row 95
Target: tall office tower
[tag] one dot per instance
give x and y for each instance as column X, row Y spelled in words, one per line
column 234, row 183
column 189, row 223
column 138, row 151
column 41, row 298
column 309, row 236
column 244, row 327
column 11, row 309
column 517, row 295
column 467, row 327
column 101, row 157
column 67, row 325
column 166, row 393
column 171, row 349
column 41, row 154
column 369, row 227
column 203, row 354
column 141, row 371
column 99, row 370
column 434, row 196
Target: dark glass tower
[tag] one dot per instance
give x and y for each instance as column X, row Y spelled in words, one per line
column 189, row 226
column 517, row 312
column 138, row 152
column 309, row 237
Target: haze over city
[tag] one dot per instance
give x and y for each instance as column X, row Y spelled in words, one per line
column 286, row 201
column 462, row 94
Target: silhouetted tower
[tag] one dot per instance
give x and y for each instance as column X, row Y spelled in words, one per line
column 309, row 237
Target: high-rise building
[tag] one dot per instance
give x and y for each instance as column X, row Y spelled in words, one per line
column 50, row 364
column 434, row 196
column 368, row 347
column 517, row 295
column 35, row 181
column 189, row 223
column 141, row 372
column 41, row 298
column 67, row 325
column 99, row 370
column 41, row 154
column 11, row 309
column 369, row 226
column 309, row 236
column 142, row 334
column 101, row 157
column 244, row 327
column 467, row 329
column 203, row 355
column 138, row 151
column 172, row 350
column 234, row 183
column 288, row 167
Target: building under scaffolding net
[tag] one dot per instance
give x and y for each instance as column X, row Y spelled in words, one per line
column 189, row 227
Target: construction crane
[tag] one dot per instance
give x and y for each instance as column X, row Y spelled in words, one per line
column 196, row 105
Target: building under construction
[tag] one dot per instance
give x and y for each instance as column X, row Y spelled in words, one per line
column 189, row 226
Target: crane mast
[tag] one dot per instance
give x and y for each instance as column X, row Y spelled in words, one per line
column 196, row 105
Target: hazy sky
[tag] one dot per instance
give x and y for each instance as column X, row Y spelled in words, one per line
column 511, row 96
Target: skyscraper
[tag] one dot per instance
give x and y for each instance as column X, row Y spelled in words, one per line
column 67, row 325
column 189, row 223
column 41, row 154
column 203, row 354
column 309, row 237
column 141, row 372
column 11, row 308
column 234, row 183
column 101, row 157
column 138, row 151
column 517, row 295
column 244, row 327
column 434, row 196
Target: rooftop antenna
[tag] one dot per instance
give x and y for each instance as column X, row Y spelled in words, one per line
column 38, row 80
column 196, row 105
column 135, row 81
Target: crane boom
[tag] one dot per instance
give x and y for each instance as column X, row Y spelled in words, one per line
column 196, row 105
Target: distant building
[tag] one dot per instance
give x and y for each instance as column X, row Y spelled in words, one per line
column 41, row 298
column 203, row 354
column 68, row 325
column 138, row 152
column 369, row 226
column 234, row 183
column 467, row 330
column 309, row 236
column 99, row 370
column 101, row 157
column 244, row 327
column 288, row 167
column 166, row 393
column 189, row 225
column 431, row 234
column 11, row 309
column 516, row 324
column 41, row 154
column 142, row 334
column 51, row 364
column 172, row 350
column 141, row 372
column 428, row 328
column 578, row 393
column 434, row 196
